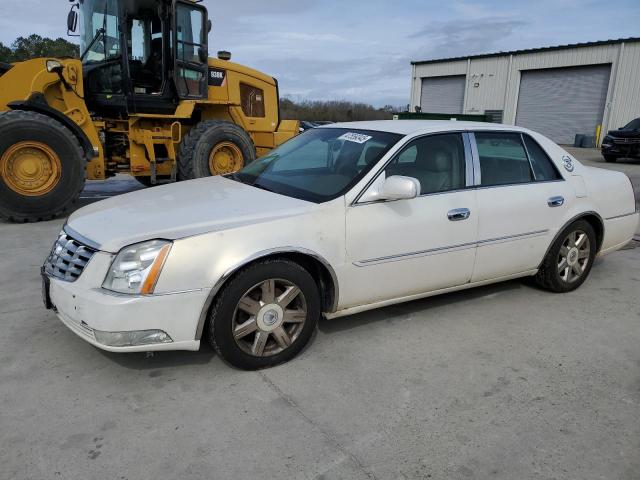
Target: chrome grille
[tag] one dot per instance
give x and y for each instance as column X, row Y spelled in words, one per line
column 68, row 258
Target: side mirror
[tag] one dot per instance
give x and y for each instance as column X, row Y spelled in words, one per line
column 209, row 26
column 395, row 187
column 72, row 20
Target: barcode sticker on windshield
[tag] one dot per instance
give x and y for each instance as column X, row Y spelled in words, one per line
column 355, row 137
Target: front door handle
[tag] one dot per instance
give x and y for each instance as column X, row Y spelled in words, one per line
column 458, row 214
column 555, row 201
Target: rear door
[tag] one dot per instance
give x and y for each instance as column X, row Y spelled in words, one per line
column 522, row 202
column 190, row 27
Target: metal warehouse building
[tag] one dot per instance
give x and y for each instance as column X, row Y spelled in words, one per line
column 558, row 91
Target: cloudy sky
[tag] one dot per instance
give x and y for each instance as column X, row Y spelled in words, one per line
column 361, row 50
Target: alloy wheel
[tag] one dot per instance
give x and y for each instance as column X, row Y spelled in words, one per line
column 574, row 256
column 269, row 317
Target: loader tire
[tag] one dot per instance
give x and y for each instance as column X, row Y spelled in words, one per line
column 214, row 147
column 42, row 167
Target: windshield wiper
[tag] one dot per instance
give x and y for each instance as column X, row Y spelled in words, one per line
column 99, row 33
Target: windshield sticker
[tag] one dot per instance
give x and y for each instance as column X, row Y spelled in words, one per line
column 355, row 137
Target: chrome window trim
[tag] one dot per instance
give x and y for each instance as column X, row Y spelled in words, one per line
column 485, row 187
column 526, row 152
column 468, row 159
column 450, row 248
column 408, row 144
column 477, row 172
column 256, row 256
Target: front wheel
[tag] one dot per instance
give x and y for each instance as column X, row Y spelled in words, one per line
column 569, row 259
column 265, row 315
column 610, row 158
column 42, row 167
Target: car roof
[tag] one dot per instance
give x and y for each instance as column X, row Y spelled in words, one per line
column 411, row 127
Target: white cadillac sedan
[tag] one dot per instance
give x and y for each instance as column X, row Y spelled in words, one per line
column 341, row 219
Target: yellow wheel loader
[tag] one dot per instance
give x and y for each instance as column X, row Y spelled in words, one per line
column 144, row 99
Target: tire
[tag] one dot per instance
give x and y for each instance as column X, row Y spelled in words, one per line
column 226, row 315
column 556, row 273
column 610, row 158
column 21, row 130
column 201, row 141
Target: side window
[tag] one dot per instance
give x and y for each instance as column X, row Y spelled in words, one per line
column 252, row 100
column 543, row 167
column 437, row 161
column 503, row 159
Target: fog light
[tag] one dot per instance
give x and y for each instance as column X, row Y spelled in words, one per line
column 131, row 339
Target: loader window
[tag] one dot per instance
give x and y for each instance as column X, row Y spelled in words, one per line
column 145, row 48
column 96, row 15
column 252, row 100
column 191, row 51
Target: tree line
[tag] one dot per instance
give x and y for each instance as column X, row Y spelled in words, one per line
column 35, row 46
column 334, row 110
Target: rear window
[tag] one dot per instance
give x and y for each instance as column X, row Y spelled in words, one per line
column 503, row 159
column 543, row 167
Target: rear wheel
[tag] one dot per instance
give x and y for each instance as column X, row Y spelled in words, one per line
column 265, row 315
column 42, row 169
column 214, row 147
column 569, row 259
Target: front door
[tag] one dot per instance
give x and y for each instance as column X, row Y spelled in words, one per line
column 407, row 247
column 522, row 202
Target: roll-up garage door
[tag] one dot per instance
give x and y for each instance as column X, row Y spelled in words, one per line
column 561, row 102
column 443, row 94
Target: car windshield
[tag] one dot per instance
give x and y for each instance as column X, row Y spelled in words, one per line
column 632, row 125
column 96, row 15
column 320, row 164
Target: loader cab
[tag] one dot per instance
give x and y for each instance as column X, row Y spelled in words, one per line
column 142, row 56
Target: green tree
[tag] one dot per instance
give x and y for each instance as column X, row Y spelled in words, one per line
column 6, row 55
column 334, row 110
column 34, row 46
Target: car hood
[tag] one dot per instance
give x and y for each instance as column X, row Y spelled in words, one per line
column 179, row 210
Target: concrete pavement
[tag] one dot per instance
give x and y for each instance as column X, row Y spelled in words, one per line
column 501, row 382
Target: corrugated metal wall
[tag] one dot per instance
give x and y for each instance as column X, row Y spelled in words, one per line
column 561, row 102
column 493, row 83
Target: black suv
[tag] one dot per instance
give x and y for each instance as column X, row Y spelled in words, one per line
column 624, row 142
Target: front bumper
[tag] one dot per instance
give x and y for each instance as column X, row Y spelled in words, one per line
column 631, row 150
column 84, row 310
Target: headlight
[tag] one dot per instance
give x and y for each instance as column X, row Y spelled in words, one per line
column 136, row 268
column 53, row 65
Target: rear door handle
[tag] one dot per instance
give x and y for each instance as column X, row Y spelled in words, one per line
column 458, row 214
column 555, row 201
